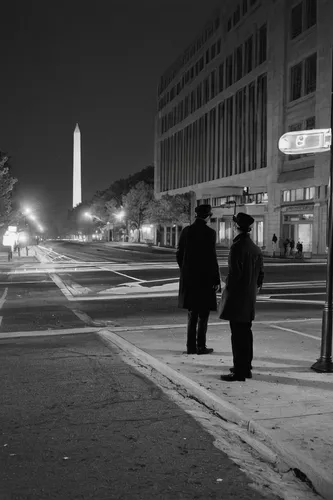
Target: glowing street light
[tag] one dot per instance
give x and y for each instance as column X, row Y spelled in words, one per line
column 318, row 141
column 91, row 216
column 120, row 215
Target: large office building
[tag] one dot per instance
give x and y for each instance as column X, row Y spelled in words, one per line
column 258, row 69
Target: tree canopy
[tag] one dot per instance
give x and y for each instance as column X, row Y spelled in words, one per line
column 7, row 183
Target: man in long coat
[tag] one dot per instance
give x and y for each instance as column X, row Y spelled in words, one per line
column 199, row 278
column 244, row 280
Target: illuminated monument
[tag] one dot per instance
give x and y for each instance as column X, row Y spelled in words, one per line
column 77, row 190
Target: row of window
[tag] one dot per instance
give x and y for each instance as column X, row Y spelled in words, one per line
column 301, row 194
column 190, row 74
column 241, row 10
column 172, row 72
column 235, row 67
column 249, row 199
column 228, row 140
column 303, row 17
column 303, row 77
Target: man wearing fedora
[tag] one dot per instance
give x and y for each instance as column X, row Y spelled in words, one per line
column 199, row 278
column 244, row 281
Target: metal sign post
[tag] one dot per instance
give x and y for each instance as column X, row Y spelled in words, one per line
column 318, row 141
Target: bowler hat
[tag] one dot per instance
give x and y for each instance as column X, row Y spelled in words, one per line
column 203, row 211
column 243, row 221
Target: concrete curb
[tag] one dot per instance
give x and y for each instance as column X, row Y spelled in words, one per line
column 283, row 457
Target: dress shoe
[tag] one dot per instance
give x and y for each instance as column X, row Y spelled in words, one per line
column 204, row 350
column 232, row 377
column 247, row 375
column 190, row 351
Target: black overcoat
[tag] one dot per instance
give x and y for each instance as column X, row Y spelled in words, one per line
column 245, row 276
column 199, row 270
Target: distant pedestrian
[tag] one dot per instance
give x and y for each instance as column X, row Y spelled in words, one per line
column 281, row 247
column 299, row 248
column 292, row 247
column 286, row 246
column 199, row 278
column 274, row 241
column 10, row 253
column 244, row 281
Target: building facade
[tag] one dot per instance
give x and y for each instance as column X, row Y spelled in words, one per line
column 259, row 68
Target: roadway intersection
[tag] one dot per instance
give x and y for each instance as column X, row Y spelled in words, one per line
column 78, row 289
column 76, row 285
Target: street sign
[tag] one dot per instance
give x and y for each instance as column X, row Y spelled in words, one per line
column 305, row 141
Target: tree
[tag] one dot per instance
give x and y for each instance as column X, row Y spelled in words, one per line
column 136, row 203
column 170, row 209
column 7, row 183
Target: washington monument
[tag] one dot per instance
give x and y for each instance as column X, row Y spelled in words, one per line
column 77, row 190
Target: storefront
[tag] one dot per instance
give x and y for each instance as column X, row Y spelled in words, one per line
column 226, row 232
column 297, row 225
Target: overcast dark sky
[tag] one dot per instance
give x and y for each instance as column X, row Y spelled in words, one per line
column 95, row 63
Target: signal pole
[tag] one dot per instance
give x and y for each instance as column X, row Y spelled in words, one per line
column 324, row 363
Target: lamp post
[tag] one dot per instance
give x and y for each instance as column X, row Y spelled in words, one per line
column 317, row 141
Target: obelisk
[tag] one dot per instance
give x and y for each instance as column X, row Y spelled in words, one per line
column 77, row 190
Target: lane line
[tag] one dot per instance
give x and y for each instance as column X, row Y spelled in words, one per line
column 2, row 301
column 120, row 274
column 49, row 333
column 296, row 301
column 62, row 286
column 3, row 298
column 184, row 325
column 24, row 282
column 295, row 331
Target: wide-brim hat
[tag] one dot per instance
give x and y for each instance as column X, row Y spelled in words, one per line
column 243, row 221
column 203, row 211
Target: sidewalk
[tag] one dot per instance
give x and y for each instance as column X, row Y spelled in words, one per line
column 16, row 260
column 287, row 406
column 267, row 258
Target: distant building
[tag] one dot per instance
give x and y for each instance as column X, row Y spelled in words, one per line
column 257, row 70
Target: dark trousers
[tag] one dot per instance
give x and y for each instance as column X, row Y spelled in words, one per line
column 242, row 346
column 197, row 322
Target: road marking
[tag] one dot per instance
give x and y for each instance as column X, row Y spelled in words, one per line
column 24, row 282
column 2, row 301
column 184, row 325
column 48, row 333
column 121, row 274
column 294, row 331
column 296, row 301
column 3, row 298
column 62, row 286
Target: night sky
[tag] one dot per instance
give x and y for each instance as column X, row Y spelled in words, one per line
column 96, row 63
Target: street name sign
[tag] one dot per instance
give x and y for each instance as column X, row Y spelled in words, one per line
column 306, row 141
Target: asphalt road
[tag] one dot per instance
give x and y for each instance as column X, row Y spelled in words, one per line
column 73, row 295
column 78, row 423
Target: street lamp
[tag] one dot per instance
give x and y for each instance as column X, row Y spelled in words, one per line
column 91, row 216
column 120, row 215
column 318, row 141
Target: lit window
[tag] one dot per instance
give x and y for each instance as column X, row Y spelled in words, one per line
column 293, row 195
column 265, row 197
column 286, row 196
column 309, row 193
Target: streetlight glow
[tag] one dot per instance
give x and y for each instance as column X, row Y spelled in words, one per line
column 120, row 215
